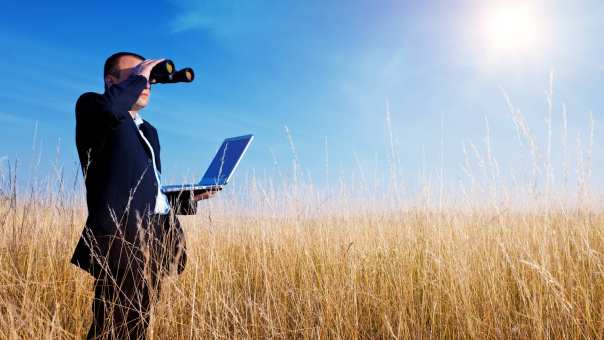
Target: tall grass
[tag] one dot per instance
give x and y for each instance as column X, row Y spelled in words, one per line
column 286, row 260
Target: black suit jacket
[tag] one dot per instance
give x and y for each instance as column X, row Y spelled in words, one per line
column 120, row 183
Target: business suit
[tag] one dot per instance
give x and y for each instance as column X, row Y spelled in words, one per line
column 124, row 245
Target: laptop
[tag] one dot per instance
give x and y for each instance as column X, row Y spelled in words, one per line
column 220, row 170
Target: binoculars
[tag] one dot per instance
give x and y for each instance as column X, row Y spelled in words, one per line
column 165, row 73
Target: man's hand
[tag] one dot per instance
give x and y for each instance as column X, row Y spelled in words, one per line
column 145, row 67
column 205, row 195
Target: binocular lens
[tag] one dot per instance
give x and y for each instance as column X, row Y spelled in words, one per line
column 185, row 75
column 164, row 73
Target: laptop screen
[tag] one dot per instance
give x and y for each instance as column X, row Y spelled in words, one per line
column 226, row 160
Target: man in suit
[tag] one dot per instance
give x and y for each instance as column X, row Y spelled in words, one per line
column 132, row 237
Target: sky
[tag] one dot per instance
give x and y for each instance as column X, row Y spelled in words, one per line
column 335, row 79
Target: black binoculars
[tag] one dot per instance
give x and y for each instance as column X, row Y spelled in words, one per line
column 165, row 73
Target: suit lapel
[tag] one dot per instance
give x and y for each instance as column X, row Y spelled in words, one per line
column 140, row 138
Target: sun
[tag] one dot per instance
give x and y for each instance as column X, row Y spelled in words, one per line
column 512, row 28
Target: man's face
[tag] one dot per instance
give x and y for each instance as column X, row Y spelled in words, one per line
column 125, row 66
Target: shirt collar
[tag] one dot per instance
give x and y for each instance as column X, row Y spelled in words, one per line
column 138, row 120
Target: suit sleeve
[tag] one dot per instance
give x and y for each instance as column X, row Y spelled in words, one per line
column 97, row 114
column 182, row 203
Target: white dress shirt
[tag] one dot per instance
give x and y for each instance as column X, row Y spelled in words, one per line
column 162, row 206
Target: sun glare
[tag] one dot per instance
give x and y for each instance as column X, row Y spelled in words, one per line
column 512, row 27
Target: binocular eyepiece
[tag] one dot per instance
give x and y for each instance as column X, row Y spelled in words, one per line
column 165, row 73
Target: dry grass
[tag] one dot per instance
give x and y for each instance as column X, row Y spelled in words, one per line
column 415, row 273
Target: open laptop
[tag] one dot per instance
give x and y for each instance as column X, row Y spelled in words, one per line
column 220, row 170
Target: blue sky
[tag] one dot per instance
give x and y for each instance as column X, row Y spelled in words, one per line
column 325, row 69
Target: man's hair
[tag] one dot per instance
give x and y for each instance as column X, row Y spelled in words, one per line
column 111, row 62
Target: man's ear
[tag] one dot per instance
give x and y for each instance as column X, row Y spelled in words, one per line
column 110, row 80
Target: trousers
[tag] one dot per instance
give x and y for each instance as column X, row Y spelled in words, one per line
column 124, row 298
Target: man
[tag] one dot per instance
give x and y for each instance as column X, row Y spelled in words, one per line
column 132, row 237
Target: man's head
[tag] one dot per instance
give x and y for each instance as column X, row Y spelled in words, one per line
column 118, row 67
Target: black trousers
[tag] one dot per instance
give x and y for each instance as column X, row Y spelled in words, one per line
column 124, row 298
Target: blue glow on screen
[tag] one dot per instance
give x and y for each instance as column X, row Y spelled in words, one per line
column 225, row 161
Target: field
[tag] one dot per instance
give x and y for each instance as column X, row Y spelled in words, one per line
column 414, row 273
column 294, row 262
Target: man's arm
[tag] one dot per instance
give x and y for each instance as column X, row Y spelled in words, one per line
column 119, row 98
column 182, row 203
column 97, row 115
column 185, row 202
